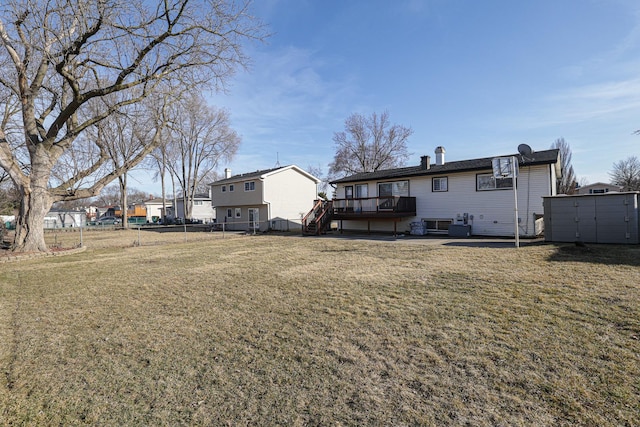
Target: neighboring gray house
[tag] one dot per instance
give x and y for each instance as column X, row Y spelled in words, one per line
column 61, row 218
column 459, row 193
column 201, row 209
column 266, row 199
column 598, row 188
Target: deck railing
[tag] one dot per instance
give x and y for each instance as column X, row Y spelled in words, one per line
column 375, row 205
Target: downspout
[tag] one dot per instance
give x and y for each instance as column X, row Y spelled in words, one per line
column 265, row 202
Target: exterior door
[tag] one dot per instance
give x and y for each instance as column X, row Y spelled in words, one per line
column 348, row 194
column 254, row 219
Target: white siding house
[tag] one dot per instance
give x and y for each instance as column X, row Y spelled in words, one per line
column 453, row 193
column 599, row 188
column 154, row 209
column 60, row 218
column 267, row 199
column 202, row 208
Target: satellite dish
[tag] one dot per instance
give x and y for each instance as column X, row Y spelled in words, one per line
column 525, row 150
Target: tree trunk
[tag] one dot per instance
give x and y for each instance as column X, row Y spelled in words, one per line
column 164, row 200
column 186, row 204
column 123, row 200
column 36, row 202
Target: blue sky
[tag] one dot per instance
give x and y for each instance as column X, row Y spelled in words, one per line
column 476, row 77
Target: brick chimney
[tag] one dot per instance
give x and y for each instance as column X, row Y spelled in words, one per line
column 227, row 173
column 425, row 162
column 440, row 155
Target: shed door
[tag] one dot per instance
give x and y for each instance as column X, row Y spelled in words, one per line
column 586, row 227
column 616, row 219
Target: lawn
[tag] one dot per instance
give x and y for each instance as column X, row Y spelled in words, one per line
column 285, row 330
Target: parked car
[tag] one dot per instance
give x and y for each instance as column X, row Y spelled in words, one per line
column 108, row 220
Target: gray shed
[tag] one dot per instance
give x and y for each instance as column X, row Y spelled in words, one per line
column 592, row 218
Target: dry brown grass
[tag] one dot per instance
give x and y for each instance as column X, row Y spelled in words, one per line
column 275, row 330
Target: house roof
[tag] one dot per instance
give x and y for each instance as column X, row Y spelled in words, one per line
column 201, row 196
column 538, row 158
column 262, row 174
column 600, row 184
column 157, row 201
column 66, row 211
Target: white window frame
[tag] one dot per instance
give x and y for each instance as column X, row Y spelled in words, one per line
column 197, row 203
column 231, row 187
column 238, row 212
column 224, row 188
column 487, row 182
column 440, row 184
column 250, row 186
column 229, row 213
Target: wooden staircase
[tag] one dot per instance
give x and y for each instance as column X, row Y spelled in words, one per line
column 318, row 218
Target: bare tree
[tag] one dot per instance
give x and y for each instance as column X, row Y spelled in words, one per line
column 203, row 187
column 626, row 173
column 58, row 56
column 368, row 144
column 124, row 135
column 201, row 138
column 9, row 198
column 324, row 181
column 158, row 161
column 567, row 183
column 109, row 196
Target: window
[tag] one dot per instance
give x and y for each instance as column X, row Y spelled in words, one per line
column 362, row 191
column 439, row 184
column 486, row 181
column 229, row 213
column 238, row 212
column 231, row 187
column 393, row 189
column 197, row 203
column 224, row 188
column 348, row 192
column 437, row 224
column 249, row 186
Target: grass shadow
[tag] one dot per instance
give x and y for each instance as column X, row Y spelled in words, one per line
column 597, row 254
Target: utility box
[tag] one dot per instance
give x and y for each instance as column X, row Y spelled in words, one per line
column 592, row 218
column 459, row 230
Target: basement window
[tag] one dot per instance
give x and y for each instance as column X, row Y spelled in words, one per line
column 437, row 225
